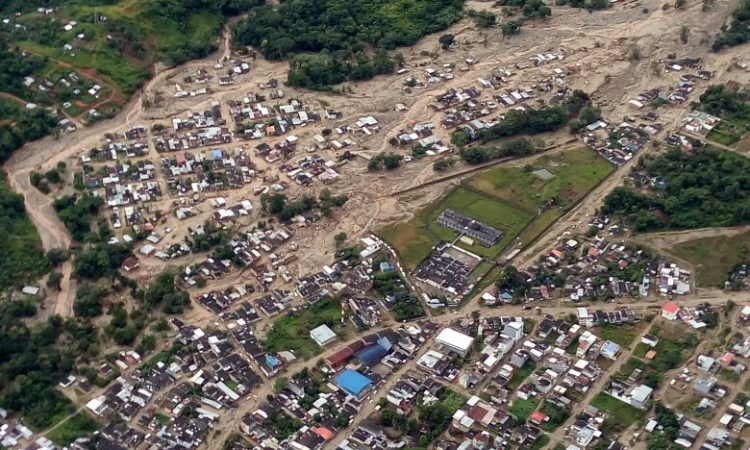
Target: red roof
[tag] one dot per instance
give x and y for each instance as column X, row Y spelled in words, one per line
column 323, row 432
column 340, row 357
column 538, row 417
column 477, row 413
column 671, row 308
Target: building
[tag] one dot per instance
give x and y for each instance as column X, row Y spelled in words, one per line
column 513, row 330
column 455, row 341
column 323, row 335
column 484, row 234
column 585, row 318
column 636, row 396
column 610, row 350
column 651, row 341
column 354, row 383
column 670, row 310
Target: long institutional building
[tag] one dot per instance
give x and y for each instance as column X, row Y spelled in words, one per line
column 484, row 234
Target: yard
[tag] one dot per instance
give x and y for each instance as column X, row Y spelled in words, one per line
column 77, row 426
column 292, row 332
column 623, row 335
column 521, row 374
column 714, row 257
column 621, row 414
column 522, row 409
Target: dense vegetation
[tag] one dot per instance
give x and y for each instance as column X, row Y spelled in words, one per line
column 339, row 32
column 391, row 285
column 706, row 189
column 27, row 126
column 528, row 122
column 351, row 25
column 321, row 71
column 481, row 154
column 720, row 101
column 31, row 364
column 279, row 205
column 77, row 213
column 738, row 30
column 21, row 259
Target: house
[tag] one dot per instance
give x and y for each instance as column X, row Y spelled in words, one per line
column 649, row 340
column 670, row 310
column 513, row 330
column 636, row 396
column 585, row 318
column 538, row 418
column 130, row 264
column 610, row 350
column 323, row 335
column 354, row 383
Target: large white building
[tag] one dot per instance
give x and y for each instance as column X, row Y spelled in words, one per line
column 454, row 341
column 323, row 335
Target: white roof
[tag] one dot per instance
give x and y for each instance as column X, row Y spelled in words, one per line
column 322, row 334
column 453, row 338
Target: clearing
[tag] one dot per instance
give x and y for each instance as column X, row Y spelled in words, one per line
column 515, row 200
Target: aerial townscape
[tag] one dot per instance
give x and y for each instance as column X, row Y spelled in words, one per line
column 375, row 225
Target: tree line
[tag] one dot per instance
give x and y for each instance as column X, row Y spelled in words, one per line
column 705, row 189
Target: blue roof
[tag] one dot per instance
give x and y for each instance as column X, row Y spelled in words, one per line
column 217, row 153
column 372, row 354
column 271, row 361
column 353, row 382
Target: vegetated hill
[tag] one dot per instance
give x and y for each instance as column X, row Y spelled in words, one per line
column 315, row 25
column 22, row 259
column 342, row 31
column 121, row 38
column 708, row 188
column 738, row 30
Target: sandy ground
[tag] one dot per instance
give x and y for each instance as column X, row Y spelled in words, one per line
column 597, row 45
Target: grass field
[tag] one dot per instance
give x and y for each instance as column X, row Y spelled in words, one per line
column 507, row 198
column 714, row 257
column 77, row 426
column 721, row 137
column 522, row 409
column 415, row 238
column 621, row 414
column 575, row 172
column 292, row 332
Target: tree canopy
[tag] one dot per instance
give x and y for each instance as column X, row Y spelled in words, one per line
column 705, row 189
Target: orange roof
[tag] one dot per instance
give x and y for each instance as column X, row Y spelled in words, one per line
column 593, row 252
column 651, row 354
column 671, row 307
column 323, row 432
column 727, row 358
column 538, row 417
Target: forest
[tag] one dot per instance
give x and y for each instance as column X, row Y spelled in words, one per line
column 22, row 259
column 705, row 189
column 720, row 101
column 738, row 30
column 321, row 71
column 311, row 25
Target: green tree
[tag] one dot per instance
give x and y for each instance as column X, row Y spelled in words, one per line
column 446, row 41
